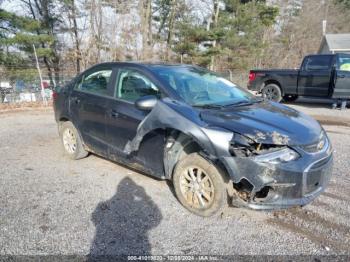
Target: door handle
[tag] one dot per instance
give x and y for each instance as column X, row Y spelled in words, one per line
column 114, row 114
column 76, row 100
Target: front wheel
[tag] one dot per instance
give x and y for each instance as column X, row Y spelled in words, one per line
column 199, row 185
column 272, row 92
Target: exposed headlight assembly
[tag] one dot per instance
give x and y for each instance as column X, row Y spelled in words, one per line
column 280, row 156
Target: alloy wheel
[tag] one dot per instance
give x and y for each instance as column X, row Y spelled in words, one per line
column 69, row 141
column 197, row 187
column 270, row 93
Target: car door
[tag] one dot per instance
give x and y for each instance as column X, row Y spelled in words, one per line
column 123, row 119
column 315, row 76
column 342, row 77
column 88, row 106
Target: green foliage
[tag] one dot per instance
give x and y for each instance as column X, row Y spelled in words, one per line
column 25, row 74
column 344, row 3
column 267, row 14
column 11, row 59
column 11, row 22
column 17, row 36
column 238, row 34
column 232, row 39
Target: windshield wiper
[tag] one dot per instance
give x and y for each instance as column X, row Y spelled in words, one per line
column 245, row 103
column 240, row 103
column 209, row 106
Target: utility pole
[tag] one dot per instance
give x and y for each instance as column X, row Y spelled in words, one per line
column 43, row 95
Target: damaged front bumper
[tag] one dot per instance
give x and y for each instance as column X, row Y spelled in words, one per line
column 255, row 184
column 284, row 185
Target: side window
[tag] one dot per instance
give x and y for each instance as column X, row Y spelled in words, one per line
column 95, row 82
column 133, row 85
column 343, row 62
column 318, row 63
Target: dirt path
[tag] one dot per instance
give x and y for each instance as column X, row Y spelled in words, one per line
column 53, row 205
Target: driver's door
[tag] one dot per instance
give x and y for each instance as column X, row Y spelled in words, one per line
column 341, row 88
column 315, row 75
column 123, row 119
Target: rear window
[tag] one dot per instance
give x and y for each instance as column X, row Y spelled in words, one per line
column 318, row 63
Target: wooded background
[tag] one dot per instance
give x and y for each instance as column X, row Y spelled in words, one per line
column 223, row 35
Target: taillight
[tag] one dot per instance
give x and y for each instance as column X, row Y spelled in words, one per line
column 54, row 95
column 252, row 76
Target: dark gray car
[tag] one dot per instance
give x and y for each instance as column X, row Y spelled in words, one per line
column 212, row 139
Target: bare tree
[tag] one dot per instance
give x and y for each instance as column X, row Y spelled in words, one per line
column 146, row 28
column 69, row 6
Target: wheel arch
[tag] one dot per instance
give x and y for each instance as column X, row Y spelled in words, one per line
column 64, row 119
column 183, row 144
column 61, row 120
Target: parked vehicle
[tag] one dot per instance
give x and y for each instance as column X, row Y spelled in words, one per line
column 326, row 76
column 5, row 90
column 183, row 123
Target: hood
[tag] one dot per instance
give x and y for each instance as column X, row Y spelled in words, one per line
column 266, row 122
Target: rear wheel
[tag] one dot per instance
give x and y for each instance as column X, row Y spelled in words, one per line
column 290, row 98
column 272, row 92
column 72, row 143
column 199, row 185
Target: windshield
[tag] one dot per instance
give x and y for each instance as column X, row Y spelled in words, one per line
column 200, row 87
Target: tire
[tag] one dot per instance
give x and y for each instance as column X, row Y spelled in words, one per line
column 272, row 92
column 72, row 142
column 210, row 196
column 290, row 98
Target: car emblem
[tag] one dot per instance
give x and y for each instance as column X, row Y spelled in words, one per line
column 320, row 145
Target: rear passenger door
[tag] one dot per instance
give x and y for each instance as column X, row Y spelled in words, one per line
column 88, row 105
column 315, row 76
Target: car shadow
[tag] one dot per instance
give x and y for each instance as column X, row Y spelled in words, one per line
column 122, row 223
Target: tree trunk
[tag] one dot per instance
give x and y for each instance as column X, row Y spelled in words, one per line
column 171, row 28
column 95, row 28
column 99, row 30
column 76, row 37
column 146, row 28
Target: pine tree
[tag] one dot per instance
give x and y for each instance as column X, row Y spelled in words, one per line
column 18, row 34
column 40, row 28
column 232, row 36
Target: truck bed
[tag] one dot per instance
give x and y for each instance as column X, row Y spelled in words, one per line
column 287, row 77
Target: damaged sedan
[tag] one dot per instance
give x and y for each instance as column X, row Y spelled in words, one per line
column 216, row 142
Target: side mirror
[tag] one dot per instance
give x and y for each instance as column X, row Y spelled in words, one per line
column 146, row 103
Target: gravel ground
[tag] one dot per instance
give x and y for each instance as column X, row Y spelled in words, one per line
column 321, row 110
column 52, row 205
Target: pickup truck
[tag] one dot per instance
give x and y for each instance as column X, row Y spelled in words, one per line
column 323, row 76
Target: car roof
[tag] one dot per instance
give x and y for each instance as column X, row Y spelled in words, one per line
column 327, row 54
column 148, row 65
column 320, row 55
